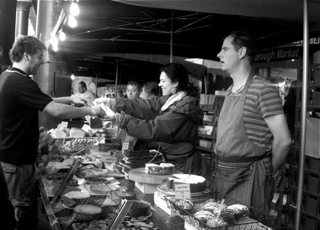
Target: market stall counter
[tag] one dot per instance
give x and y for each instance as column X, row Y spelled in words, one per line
column 159, row 218
column 82, row 189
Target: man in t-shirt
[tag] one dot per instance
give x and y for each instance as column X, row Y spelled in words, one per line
column 253, row 139
column 20, row 101
column 84, row 93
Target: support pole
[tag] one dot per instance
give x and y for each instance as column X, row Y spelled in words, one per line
column 303, row 110
column 22, row 17
column 117, row 76
column 7, row 25
column 171, row 39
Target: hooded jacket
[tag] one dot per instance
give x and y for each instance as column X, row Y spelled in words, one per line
column 176, row 127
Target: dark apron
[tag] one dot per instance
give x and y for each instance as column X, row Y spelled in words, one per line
column 240, row 171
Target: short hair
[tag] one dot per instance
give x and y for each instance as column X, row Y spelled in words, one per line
column 243, row 39
column 83, row 84
column 136, row 84
column 25, row 44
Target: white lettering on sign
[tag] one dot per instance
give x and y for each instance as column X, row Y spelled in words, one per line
column 313, row 41
column 284, row 53
column 287, row 54
column 265, row 56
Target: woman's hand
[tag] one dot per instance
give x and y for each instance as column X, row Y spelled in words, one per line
column 110, row 118
column 114, row 118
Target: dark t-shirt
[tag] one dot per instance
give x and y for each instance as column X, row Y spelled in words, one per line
column 20, row 101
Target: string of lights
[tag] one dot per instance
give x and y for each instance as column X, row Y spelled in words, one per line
column 73, row 12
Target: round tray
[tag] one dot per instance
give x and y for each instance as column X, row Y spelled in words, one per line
column 142, row 176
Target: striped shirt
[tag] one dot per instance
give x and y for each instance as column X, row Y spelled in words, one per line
column 262, row 100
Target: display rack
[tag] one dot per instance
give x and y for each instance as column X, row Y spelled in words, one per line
column 211, row 109
column 310, row 215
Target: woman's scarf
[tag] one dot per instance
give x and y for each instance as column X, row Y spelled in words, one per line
column 175, row 97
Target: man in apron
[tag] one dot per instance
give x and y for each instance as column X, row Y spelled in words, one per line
column 253, row 139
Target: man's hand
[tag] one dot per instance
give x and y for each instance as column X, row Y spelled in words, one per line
column 98, row 111
column 81, row 101
column 101, row 100
column 277, row 179
column 107, row 101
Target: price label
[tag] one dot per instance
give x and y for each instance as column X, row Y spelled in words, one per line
column 110, row 160
column 64, row 124
column 128, row 145
column 86, row 128
column 182, row 191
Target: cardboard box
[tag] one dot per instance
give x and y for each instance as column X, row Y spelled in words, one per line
column 147, row 188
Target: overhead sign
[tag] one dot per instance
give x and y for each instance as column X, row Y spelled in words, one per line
column 287, row 53
column 279, row 54
column 312, row 41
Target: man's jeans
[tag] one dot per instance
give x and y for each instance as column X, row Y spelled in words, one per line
column 22, row 186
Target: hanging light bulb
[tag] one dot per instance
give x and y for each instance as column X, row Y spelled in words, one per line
column 54, row 41
column 55, row 48
column 62, row 36
column 74, row 9
column 72, row 77
column 72, row 22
